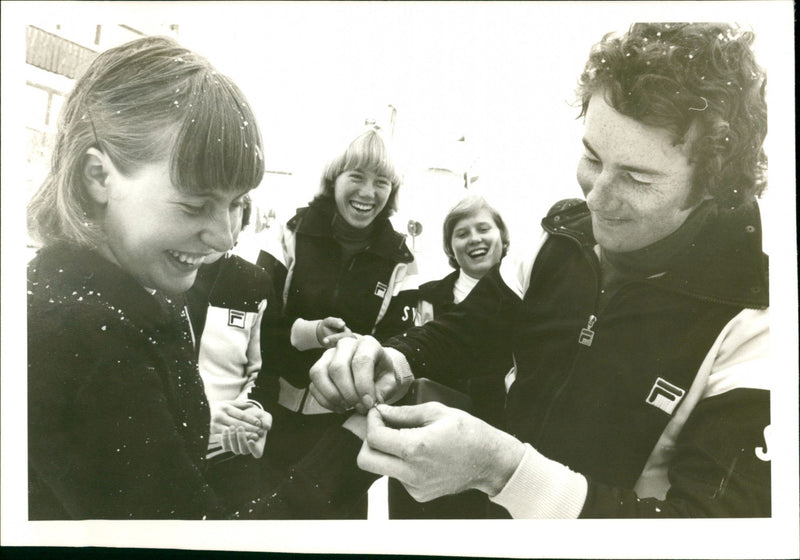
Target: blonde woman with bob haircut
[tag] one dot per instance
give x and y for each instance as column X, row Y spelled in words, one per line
column 347, row 272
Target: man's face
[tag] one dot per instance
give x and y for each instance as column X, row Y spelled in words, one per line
column 636, row 182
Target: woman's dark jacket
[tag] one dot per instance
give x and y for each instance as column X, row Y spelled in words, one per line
column 117, row 418
column 374, row 291
column 484, row 380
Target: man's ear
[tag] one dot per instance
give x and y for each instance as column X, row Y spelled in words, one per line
column 95, row 172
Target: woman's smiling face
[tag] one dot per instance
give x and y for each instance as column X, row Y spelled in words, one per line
column 160, row 234
column 477, row 244
column 361, row 196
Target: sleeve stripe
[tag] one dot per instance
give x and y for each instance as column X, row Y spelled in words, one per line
column 742, row 355
column 515, row 269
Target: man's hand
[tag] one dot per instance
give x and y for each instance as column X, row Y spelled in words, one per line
column 357, row 373
column 435, row 450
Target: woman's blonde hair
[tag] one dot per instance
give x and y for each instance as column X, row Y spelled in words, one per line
column 139, row 103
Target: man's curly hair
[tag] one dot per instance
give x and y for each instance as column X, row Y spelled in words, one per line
column 698, row 77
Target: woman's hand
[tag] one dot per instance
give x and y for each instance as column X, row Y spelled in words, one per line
column 357, row 373
column 242, row 426
column 435, row 450
column 331, row 330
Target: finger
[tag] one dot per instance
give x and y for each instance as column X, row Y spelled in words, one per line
column 390, row 387
column 334, row 323
column 331, row 340
column 398, row 432
column 341, row 374
column 265, row 418
column 412, row 416
column 366, row 354
column 252, row 408
column 256, row 447
column 242, row 415
column 216, row 426
column 220, row 414
column 321, row 387
column 377, row 462
column 375, row 419
column 233, row 442
column 242, row 441
column 254, row 429
column 236, row 438
column 315, row 394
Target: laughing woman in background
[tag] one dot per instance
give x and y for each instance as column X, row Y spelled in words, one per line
column 475, row 239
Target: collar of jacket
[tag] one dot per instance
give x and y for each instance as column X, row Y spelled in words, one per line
column 86, row 274
column 441, row 290
column 725, row 263
column 316, row 219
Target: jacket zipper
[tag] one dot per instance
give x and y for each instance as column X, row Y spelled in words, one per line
column 342, row 268
column 585, row 337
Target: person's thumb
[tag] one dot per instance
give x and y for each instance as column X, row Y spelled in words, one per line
column 390, row 386
column 408, row 416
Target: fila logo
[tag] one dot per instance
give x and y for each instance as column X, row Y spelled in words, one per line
column 236, row 318
column 665, row 395
column 380, row 289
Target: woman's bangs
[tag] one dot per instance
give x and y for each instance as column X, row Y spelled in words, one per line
column 219, row 145
column 370, row 154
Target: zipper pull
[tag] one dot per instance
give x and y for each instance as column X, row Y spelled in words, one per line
column 587, row 334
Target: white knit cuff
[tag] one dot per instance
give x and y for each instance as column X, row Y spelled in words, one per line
column 541, row 488
column 304, row 334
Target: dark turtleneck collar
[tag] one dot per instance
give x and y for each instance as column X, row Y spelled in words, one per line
column 351, row 239
column 619, row 268
column 656, row 257
column 345, row 232
column 318, row 219
column 723, row 261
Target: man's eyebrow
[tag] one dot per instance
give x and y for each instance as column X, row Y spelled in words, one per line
column 630, row 168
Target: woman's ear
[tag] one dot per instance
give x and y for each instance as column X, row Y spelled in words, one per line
column 95, row 173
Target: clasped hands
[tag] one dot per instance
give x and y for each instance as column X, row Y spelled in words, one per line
column 433, row 450
column 241, row 426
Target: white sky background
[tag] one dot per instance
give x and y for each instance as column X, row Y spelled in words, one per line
column 502, row 74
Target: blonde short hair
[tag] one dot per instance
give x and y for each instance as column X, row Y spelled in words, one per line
column 368, row 151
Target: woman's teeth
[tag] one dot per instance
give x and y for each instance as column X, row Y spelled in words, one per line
column 361, row 207
column 191, row 260
column 478, row 252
